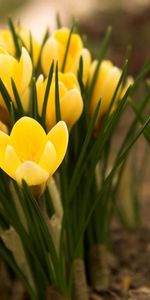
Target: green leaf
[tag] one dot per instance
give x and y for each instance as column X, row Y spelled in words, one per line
column 12, row 113
column 6, row 97
column 58, row 20
column 34, row 100
column 17, row 98
column 57, row 100
column 49, row 81
column 15, row 37
column 7, row 256
column 67, row 49
column 76, row 173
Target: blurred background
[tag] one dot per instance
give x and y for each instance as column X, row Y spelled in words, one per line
column 130, row 20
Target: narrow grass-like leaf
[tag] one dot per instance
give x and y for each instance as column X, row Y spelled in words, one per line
column 12, row 113
column 34, row 100
column 17, row 98
column 57, row 99
column 46, row 236
column 141, row 120
column 49, row 81
column 6, row 254
column 45, row 37
column 109, row 179
column 80, row 75
column 67, row 49
column 142, row 74
column 83, row 151
column 15, row 37
column 6, row 97
column 58, row 20
column 31, row 45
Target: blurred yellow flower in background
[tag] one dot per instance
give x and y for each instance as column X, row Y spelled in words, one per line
column 7, row 42
column 105, row 86
column 21, row 72
column 71, row 103
column 55, row 48
column 29, row 154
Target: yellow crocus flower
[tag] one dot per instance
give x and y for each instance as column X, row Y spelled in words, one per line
column 105, row 85
column 29, row 154
column 6, row 42
column 21, row 72
column 71, row 103
column 55, row 48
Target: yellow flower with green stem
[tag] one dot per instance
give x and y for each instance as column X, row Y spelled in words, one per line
column 21, row 72
column 25, row 38
column 29, row 153
column 55, row 49
column 106, row 83
column 70, row 99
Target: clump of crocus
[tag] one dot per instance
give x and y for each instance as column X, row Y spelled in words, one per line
column 55, row 49
column 71, row 103
column 25, row 38
column 31, row 154
column 106, row 83
column 21, row 72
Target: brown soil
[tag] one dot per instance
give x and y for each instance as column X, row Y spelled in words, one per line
column 130, row 270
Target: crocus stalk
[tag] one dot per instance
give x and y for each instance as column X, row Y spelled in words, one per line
column 13, row 242
column 98, row 267
column 55, row 49
column 31, row 154
column 70, row 99
column 106, row 82
column 80, row 287
column 21, row 72
column 25, row 38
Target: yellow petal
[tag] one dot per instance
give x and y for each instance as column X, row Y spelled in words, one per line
column 6, row 41
column 4, row 141
column 23, row 71
column 104, row 70
column 58, row 135
column 25, row 36
column 50, row 112
column 49, row 53
column 71, row 107
column 109, row 87
column 48, row 158
column 40, row 89
column 11, row 160
column 69, row 80
column 86, row 56
column 76, row 44
column 31, row 173
column 7, row 65
column 28, row 139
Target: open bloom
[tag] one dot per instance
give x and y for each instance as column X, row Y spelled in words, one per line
column 55, row 48
column 105, row 85
column 21, row 72
column 71, row 103
column 7, row 42
column 29, row 154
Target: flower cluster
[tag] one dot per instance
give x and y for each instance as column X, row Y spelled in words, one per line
column 66, row 49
